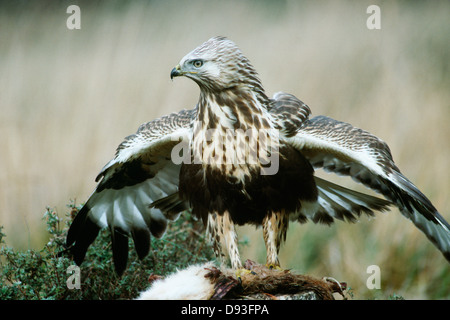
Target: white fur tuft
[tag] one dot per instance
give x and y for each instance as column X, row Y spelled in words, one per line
column 187, row 284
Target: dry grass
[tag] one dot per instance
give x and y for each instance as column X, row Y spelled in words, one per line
column 69, row 97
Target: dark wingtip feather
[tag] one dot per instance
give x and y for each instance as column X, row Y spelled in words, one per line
column 77, row 225
column 79, row 250
column 120, row 249
column 447, row 256
column 141, row 238
column 414, row 205
column 82, row 232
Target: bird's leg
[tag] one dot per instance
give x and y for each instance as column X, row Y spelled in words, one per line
column 231, row 242
column 214, row 234
column 222, row 234
column 229, row 236
column 275, row 225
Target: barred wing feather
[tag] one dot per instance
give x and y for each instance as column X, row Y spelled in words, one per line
column 343, row 149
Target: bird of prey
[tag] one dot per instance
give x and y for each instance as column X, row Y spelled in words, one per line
column 240, row 157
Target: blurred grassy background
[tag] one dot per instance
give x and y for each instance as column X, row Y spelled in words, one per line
column 68, row 97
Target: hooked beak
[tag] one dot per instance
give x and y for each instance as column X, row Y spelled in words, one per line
column 176, row 72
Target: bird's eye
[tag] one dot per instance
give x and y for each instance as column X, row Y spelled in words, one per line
column 197, row 63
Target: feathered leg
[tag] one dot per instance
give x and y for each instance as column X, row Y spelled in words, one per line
column 222, row 232
column 275, row 226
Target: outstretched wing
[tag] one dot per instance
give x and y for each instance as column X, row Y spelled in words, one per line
column 141, row 172
column 343, row 149
column 334, row 202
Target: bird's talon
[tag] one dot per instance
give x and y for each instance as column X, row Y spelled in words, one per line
column 274, row 267
column 243, row 271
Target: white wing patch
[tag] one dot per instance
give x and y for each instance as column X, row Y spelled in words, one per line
column 129, row 207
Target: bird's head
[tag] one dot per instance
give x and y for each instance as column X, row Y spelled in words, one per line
column 217, row 65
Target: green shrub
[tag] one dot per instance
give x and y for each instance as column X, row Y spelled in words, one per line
column 43, row 274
